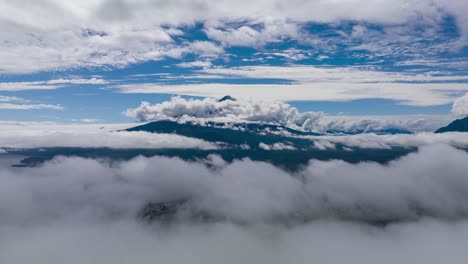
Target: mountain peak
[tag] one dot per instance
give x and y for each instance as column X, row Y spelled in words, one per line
column 459, row 125
column 227, row 98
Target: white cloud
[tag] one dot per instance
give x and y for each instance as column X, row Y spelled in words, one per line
column 202, row 110
column 52, row 35
column 11, row 99
column 86, row 120
column 77, row 81
column 312, row 74
column 415, row 94
column 246, row 35
column 48, row 85
column 23, row 86
column 414, row 123
column 85, row 210
column 460, row 106
column 193, row 64
column 91, row 136
column 318, row 84
column 228, row 110
column 17, row 103
column 276, row 146
column 429, row 183
column 9, row 106
column 89, row 120
column 373, row 141
column 291, row 54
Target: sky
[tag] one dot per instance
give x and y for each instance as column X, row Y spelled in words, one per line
column 90, row 61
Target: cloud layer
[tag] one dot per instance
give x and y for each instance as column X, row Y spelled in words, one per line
column 302, row 83
column 83, row 209
column 50, row 34
column 44, row 136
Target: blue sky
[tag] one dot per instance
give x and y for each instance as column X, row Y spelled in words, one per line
column 88, row 62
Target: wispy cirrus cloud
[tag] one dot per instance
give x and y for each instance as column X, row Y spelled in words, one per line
column 11, row 99
column 49, row 84
column 302, row 83
column 17, row 103
column 9, row 106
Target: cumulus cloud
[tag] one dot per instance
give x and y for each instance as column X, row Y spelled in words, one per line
column 246, row 35
column 246, row 110
column 85, row 210
column 192, row 64
column 228, row 110
column 460, row 106
column 64, row 34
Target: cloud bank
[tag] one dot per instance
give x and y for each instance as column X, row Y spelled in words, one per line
column 413, row 123
column 44, row 136
column 228, row 110
column 274, row 112
column 85, row 210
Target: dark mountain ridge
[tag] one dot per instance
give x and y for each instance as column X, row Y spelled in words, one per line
column 459, row 125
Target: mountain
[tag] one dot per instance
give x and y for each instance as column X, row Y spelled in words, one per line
column 251, row 134
column 242, row 133
column 227, row 98
column 278, row 145
column 459, row 125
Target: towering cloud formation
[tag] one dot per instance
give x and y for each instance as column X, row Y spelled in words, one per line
column 460, row 106
column 226, row 109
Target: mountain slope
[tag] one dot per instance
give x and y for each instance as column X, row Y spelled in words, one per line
column 459, row 125
column 237, row 134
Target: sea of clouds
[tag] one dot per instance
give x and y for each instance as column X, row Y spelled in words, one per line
column 48, row 135
column 79, row 210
